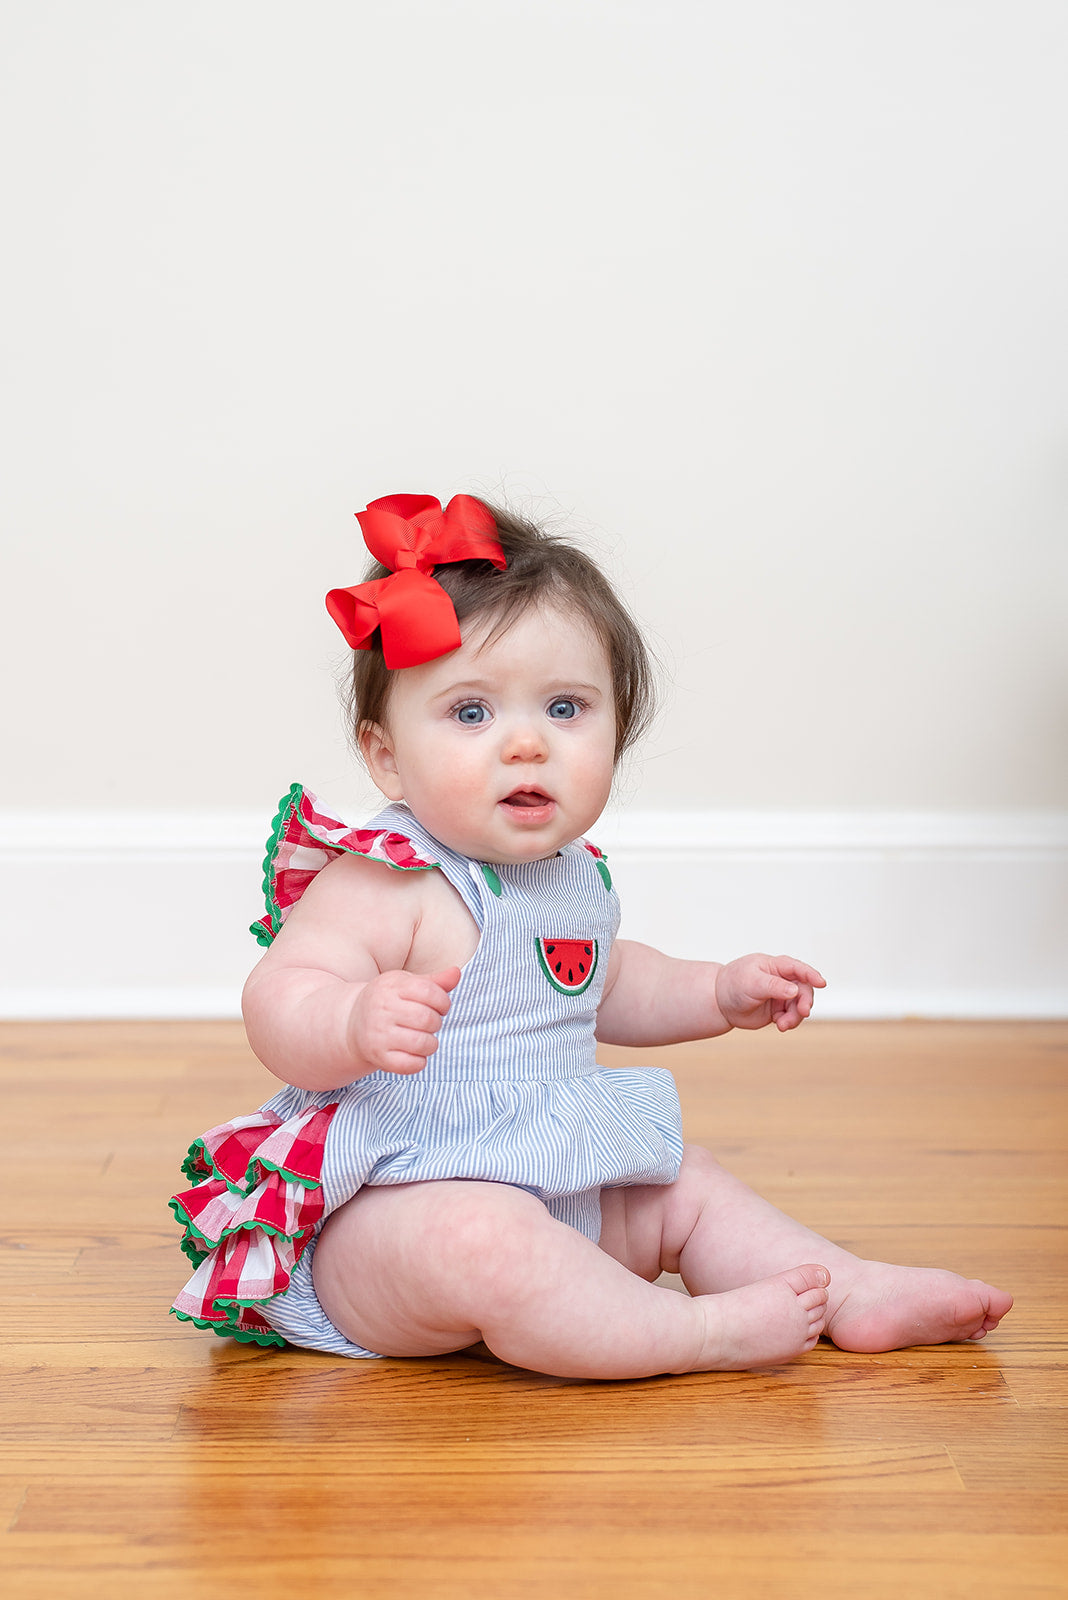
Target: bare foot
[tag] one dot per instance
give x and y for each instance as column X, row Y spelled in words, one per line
column 885, row 1307
column 764, row 1323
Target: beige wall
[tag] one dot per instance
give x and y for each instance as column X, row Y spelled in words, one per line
column 767, row 299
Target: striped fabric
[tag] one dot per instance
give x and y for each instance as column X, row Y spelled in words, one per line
column 513, row 1094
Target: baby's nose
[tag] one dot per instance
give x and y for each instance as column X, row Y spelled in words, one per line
column 525, row 742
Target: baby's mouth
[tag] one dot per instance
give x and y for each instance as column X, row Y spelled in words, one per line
column 529, row 805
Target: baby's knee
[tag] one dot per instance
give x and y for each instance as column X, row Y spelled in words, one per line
column 698, row 1164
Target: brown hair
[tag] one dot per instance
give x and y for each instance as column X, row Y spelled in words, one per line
column 543, row 568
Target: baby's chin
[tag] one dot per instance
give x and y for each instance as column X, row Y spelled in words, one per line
column 505, row 843
column 498, row 853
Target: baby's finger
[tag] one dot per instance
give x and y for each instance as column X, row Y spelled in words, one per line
column 795, row 1011
column 790, row 1017
column 427, row 991
column 404, row 1062
column 417, row 1018
column 790, row 967
column 420, row 1044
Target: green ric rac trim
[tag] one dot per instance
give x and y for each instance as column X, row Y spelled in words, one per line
column 190, row 1167
column 283, row 1172
column 193, row 1233
column 225, row 1331
column 198, row 1156
column 191, row 1250
column 286, row 806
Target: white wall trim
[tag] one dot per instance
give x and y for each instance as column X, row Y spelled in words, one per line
column 739, row 835
column 954, row 914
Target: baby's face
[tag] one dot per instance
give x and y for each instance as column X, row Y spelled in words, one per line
column 504, row 750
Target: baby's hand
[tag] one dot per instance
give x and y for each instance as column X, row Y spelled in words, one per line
column 756, row 990
column 395, row 1018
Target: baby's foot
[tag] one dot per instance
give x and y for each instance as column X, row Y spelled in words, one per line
column 890, row 1308
column 764, row 1323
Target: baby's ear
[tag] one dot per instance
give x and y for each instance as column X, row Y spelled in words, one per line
column 376, row 748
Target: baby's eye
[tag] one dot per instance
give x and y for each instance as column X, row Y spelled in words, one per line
column 564, row 710
column 471, row 714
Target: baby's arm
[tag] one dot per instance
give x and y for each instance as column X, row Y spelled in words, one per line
column 650, row 998
column 331, row 1001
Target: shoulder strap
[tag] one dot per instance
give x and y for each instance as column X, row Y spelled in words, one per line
column 600, row 861
column 472, row 880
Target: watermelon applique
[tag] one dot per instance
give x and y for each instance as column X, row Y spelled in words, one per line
column 569, row 964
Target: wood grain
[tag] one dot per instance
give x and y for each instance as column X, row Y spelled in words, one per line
column 141, row 1456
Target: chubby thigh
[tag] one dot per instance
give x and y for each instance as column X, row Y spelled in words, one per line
column 408, row 1269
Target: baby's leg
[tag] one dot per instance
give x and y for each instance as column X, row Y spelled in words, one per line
column 426, row 1268
column 718, row 1234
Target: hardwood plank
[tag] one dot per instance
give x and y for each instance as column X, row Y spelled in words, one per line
column 182, row 1348
column 128, row 1316
column 1026, row 1449
column 514, row 1481
column 510, row 1480
column 644, row 1563
column 1040, row 1387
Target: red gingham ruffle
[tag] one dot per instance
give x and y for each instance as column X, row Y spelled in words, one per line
column 255, row 1201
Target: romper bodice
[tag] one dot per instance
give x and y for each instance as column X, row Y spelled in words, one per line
column 526, row 1003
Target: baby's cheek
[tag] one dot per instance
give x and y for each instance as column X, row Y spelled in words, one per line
column 595, row 772
column 460, row 786
column 453, row 796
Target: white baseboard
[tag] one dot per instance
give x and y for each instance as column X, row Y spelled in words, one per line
column 931, row 914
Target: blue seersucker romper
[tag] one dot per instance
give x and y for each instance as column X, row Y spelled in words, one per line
column 513, row 1093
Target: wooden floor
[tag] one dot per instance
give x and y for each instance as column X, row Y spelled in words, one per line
column 141, row 1457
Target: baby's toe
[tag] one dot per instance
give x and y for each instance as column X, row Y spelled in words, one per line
column 998, row 1303
column 808, row 1280
column 814, row 1305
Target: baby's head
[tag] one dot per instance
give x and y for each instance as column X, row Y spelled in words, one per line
column 502, row 734
column 543, row 571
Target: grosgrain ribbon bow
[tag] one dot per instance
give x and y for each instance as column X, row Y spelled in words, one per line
column 410, row 534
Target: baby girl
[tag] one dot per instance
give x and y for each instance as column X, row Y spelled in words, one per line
column 447, row 1163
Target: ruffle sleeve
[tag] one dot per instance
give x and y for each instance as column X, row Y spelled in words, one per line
column 256, row 1197
column 305, row 835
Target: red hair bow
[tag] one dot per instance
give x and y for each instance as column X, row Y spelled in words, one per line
column 410, row 534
